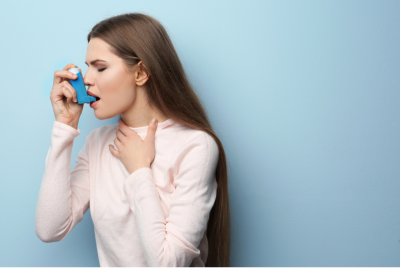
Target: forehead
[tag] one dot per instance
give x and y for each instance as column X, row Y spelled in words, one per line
column 98, row 49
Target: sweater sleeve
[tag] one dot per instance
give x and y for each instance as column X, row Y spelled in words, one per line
column 174, row 241
column 64, row 194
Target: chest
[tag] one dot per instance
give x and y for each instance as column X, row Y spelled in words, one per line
column 110, row 200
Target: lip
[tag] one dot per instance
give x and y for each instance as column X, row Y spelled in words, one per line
column 91, row 94
column 93, row 104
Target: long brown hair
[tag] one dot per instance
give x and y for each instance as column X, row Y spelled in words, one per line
column 137, row 37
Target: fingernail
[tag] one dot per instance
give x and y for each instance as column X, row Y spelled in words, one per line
column 153, row 121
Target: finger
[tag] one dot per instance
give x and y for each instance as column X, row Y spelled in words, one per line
column 68, row 66
column 65, row 91
column 113, row 151
column 59, row 76
column 120, row 132
column 71, row 89
column 68, row 86
column 117, row 143
column 121, row 137
column 125, row 129
column 151, row 131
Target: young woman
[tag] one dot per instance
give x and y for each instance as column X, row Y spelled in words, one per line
column 157, row 193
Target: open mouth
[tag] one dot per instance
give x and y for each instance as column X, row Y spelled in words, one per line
column 94, row 103
column 93, row 95
column 97, row 99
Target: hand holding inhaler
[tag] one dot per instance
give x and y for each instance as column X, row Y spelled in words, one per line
column 79, row 86
column 64, row 98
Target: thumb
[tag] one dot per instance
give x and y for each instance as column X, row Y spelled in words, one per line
column 151, row 132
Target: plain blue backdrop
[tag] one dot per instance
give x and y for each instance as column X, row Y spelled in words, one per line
column 303, row 94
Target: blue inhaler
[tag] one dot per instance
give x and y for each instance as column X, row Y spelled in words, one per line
column 80, row 88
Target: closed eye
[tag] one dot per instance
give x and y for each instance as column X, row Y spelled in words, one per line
column 102, row 69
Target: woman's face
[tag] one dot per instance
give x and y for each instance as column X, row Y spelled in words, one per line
column 109, row 80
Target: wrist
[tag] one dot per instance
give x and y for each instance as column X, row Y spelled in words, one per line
column 71, row 124
column 139, row 167
column 74, row 126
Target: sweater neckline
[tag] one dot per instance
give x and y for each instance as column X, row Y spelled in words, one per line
column 161, row 125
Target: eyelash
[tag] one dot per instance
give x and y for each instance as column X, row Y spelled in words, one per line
column 102, row 69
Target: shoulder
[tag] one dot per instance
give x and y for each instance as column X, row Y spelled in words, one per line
column 202, row 144
column 198, row 156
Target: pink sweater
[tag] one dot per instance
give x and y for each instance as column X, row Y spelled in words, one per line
column 153, row 217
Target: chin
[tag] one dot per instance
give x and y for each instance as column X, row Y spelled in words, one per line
column 102, row 116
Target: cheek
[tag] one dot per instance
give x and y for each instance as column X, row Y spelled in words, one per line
column 115, row 86
column 117, row 92
column 121, row 98
column 113, row 104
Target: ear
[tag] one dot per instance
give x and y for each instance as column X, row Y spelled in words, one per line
column 142, row 74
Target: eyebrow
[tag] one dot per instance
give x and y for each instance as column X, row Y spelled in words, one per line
column 94, row 61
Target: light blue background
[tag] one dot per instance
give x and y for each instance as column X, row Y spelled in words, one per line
column 303, row 94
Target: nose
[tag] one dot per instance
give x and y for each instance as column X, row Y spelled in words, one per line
column 87, row 80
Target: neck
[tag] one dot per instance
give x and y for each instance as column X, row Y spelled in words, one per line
column 140, row 114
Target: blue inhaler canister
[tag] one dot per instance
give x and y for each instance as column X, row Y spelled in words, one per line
column 80, row 88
